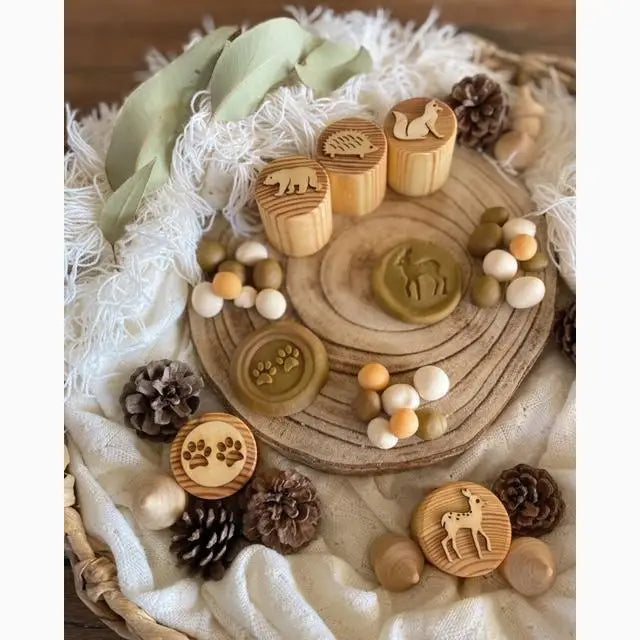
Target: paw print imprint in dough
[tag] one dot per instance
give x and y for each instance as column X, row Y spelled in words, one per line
column 197, row 454
column 263, row 373
column 288, row 358
column 229, row 451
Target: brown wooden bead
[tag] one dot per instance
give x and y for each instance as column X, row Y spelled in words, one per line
column 373, row 376
column 227, row 285
column 367, row 405
column 530, row 566
column 267, row 274
column 234, row 267
column 397, row 561
column 523, row 247
column 463, row 529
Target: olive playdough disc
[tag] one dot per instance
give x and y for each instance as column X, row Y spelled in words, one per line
column 418, row 282
column 279, row 370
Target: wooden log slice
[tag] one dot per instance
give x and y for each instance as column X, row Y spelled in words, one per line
column 485, row 352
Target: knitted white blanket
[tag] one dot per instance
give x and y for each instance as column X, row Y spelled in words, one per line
column 123, row 312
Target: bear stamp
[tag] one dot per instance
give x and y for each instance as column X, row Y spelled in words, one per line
column 288, row 179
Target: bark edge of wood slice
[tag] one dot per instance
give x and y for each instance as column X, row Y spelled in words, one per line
column 486, row 352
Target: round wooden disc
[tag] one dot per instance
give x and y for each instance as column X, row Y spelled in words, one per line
column 213, row 456
column 485, row 352
column 449, row 515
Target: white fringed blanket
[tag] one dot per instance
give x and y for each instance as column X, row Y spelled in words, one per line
column 125, row 309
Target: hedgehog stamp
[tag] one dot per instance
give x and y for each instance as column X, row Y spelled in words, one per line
column 348, row 142
column 353, row 152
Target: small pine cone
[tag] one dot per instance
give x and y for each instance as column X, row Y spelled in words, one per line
column 481, row 109
column 159, row 398
column 532, row 500
column 564, row 330
column 207, row 538
column 282, row 510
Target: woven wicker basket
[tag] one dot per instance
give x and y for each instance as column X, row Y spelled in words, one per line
column 93, row 568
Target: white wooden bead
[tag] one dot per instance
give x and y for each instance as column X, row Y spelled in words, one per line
column 247, row 297
column 500, row 264
column 379, row 434
column 271, row 304
column 204, row 302
column 432, row 383
column 250, row 252
column 399, row 396
column 525, row 292
column 515, row 227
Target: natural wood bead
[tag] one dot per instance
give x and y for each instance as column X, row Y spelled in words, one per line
column 463, row 529
column 397, row 561
column 419, row 167
column 157, row 501
column 353, row 152
column 294, row 200
column 227, row 285
column 530, row 566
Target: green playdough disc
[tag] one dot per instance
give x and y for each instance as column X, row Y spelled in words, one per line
column 417, row 282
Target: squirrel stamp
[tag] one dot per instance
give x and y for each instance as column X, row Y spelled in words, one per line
column 289, row 179
column 419, row 127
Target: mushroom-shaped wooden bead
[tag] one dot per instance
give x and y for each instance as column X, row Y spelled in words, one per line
column 515, row 149
column 158, row 501
column 530, row 567
column 397, row 561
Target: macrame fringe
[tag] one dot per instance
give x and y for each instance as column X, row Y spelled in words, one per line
column 215, row 165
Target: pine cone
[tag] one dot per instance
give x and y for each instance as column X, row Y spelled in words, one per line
column 565, row 331
column 159, row 398
column 207, row 537
column 532, row 499
column 481, row 109
column 282, row 510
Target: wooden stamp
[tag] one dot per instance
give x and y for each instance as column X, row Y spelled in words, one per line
column 354, row 153
column 294, row 200
column 463, row 529
column 421, row 134
column 213, row 456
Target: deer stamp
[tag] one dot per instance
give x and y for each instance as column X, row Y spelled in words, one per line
column 414, row 271
column 453, row 521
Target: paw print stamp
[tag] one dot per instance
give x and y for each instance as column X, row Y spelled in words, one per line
column 264, row 373
column 229, row 451
column 197, row 454
column 287, row 358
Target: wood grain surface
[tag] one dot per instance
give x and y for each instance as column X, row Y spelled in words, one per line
column 485, row 352
column 105, row 41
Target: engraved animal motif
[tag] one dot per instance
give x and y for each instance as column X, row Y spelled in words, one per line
column 197, row 454
column 229, row 451
column 264, row 373
column 453, row 521
column 413, row 272
column 348, row 142
column 419, row 127
column 289, row 179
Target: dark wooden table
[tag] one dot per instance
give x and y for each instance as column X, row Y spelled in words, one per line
column 105, row 43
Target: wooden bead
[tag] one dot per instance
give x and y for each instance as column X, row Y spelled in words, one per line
column 515, row 149
column 353, row 152
column 204, row 302
column 539, row 262
column 379, row 434
column 233, row 266
column 210, row 254
column 431, row 382
column 367, row 405
column 421, row 134
column 294, row 200
column 250, row 252
column 432, row 424
column 523, row 247
column 271, row 304
column 374, row 376
column 530, row 566
column 267, row 274
column 157, row 502
column 403, row 423
column 399, row 396
column 213, row 455
column 397, row 561
column 463, row 529
column 227, row 285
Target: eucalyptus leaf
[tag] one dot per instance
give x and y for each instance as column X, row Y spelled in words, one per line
column 330, row 65
column 121, row 207
column 253, row 63
column 155, row 113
